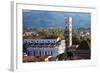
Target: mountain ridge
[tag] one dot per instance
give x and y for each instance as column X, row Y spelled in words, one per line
column 48, row 19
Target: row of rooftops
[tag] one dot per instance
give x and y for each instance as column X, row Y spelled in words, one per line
column 40, row 40
column 39, row 43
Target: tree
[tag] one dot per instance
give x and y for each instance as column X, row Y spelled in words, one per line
column 62, row 56
column 84, row 45
column 69, row 55
column 65, row 56
column 76, row 39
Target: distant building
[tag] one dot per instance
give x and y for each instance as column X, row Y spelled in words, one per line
column 28, row 33
column 84, row 34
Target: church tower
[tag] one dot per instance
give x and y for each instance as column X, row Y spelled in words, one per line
column 68, row 31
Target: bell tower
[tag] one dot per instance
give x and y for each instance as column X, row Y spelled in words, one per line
column 68, row 31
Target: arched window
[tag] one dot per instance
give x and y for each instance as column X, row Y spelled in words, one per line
column 40, row 52
column 45, row 52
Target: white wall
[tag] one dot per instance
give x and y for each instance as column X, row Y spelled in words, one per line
column 5, row 36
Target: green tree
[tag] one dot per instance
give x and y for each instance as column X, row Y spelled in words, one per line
column 69, row 55
column 62, row 56
column 76, row 39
